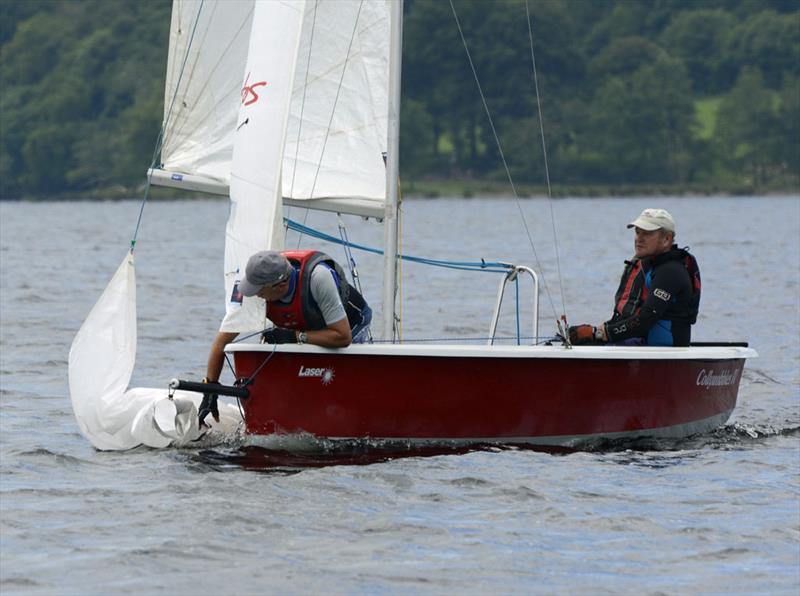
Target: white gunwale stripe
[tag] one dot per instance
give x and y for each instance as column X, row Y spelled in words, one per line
column 529, row 352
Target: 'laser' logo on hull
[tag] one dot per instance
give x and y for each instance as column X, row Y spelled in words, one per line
column 324, row 374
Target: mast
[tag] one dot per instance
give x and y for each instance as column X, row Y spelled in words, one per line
column 392, row 171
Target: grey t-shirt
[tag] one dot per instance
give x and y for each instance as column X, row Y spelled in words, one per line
column 326, row 295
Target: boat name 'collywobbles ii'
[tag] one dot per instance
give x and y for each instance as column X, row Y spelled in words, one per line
column 709, row 379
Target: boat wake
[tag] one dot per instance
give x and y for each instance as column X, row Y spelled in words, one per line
column 731, row 436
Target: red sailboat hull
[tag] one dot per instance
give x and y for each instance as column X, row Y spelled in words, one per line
column 536, row 395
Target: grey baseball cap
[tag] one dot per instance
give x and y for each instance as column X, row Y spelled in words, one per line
column 265, row 268
column 654, row 219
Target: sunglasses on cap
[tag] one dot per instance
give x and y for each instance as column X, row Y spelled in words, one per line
column 281, row 280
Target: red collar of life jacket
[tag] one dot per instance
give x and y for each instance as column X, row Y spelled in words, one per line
column 301, row 312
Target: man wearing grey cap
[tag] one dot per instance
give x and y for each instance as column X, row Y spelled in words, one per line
column 308, row 299
column 659, row 294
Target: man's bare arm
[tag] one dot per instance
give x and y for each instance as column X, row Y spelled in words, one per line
column 216, row 356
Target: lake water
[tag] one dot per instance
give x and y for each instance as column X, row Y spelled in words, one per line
column 712, row 514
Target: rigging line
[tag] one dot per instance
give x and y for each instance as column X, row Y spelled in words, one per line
column 351, row 261
column 222, row 94
column 503, row 158
column 336, row 99
column 333, row 110
column 546, row 165
column 249, row 379
column 160, row 138
column 493, row 267
column 303, row 103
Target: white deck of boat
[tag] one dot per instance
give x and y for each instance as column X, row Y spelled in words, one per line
column 500, row 351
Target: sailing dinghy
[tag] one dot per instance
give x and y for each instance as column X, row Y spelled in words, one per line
column 296, row 102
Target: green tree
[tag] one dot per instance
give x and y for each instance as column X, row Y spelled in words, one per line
column 622, row 57
column 641, row 125
column 81, row 93
column 768, row 41
column 697, row 37
column 746, row 126
column 789, row 123
column 417, row 150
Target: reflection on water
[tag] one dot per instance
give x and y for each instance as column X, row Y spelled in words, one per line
column 278, row 461
column 301, row 452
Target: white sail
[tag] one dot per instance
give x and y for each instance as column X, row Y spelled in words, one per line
column 255, row 222
column 207, row 53
column 337, row 127
column 338, row 119
column 101, row 360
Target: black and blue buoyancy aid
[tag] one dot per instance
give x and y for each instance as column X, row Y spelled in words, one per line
column 636, row 286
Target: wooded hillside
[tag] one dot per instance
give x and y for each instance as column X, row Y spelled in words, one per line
column 687, row 95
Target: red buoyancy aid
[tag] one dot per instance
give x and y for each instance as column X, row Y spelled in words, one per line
column 634, row 291
column 302, row 312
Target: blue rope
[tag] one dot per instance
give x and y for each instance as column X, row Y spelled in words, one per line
column 462, row 265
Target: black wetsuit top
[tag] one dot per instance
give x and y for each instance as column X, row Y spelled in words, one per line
column 657, row 300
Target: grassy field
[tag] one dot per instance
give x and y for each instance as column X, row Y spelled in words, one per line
column 706, row 111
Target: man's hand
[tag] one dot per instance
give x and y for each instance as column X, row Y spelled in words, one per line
column 582, row 335
column 279, row 335
column 208, row 406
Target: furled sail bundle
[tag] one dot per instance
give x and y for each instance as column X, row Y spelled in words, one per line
column 101, row 362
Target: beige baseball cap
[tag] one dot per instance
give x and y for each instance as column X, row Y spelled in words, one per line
column 654, row 219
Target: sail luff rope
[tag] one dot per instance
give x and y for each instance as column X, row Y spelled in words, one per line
column 546, row 165
column 160, row 138
column 333, row 112
column 399, row 294
column 503, row 158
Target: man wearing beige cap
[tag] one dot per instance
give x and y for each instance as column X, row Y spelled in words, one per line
column 659, row 294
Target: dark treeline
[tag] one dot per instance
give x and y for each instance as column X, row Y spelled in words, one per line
column 701, row 94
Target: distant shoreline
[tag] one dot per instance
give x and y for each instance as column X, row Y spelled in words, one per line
column 452, row 188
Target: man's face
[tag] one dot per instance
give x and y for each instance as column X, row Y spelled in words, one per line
column 274, row 292
column 650, row 244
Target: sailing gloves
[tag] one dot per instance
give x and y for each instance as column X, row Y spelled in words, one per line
column 208, row 406
column 278, row 335
column 584, row 335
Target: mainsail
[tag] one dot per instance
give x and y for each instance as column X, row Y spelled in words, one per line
column 338, row 116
